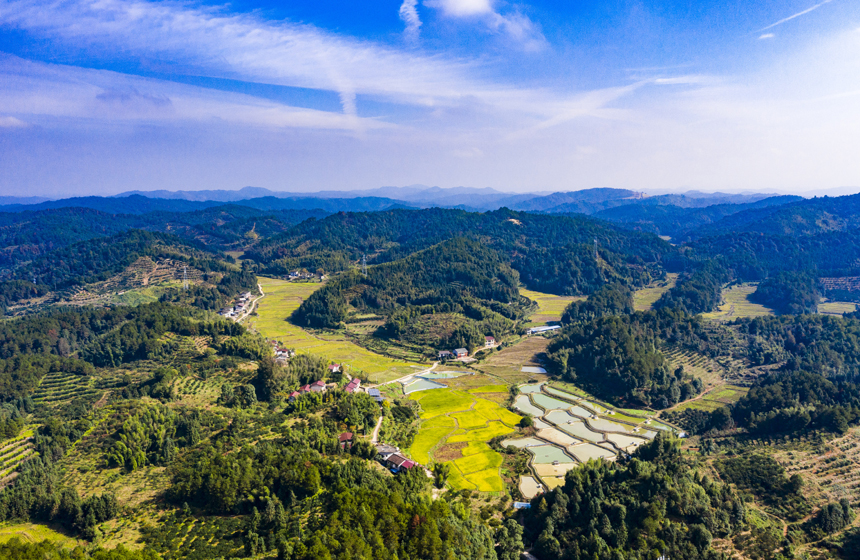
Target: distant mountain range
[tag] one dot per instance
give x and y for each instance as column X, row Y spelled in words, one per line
column 588, row 201
column 681, row 216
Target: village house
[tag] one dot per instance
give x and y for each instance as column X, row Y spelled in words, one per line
column 376, row 395
column 334, row 368
column 353, row 385
column 461, row 353
column 445, row 355
column 489, row 341
column 318, row 386
column 345, row 441
column 294, row 395
column 398, row 463
column 384, row 451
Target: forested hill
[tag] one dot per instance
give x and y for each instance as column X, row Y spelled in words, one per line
column 805, row 217
column 444, row 276
column 27, row 235
column 552, row 253
column 678, row 221
column 100, row 259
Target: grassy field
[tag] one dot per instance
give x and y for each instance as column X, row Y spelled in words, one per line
column 645, row 297
column 31, row 532
column 457, row 425
column 836, row 307
column 737, row 304
column 550, row 307
column 717, row 397
column 282, row 298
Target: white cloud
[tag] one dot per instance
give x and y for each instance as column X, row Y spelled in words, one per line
column 463, row 8
column 409, row 15
column 767, row 36
column 12, row 122
column 516, row 25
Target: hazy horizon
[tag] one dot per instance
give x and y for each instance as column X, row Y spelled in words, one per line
column 839, row 191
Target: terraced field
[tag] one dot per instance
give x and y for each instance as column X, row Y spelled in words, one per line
column 13, row 453
column 60, row 388
column 572, row 429
column 711, row 372
column 455, row 427
column 831, row 470
column 274, row 310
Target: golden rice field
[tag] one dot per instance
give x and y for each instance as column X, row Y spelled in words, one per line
column 282, row 298
column 736, row 304
column 457, row 417
column 550, row 307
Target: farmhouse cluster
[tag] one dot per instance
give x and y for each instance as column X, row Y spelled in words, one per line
column 240, row 305
column 458, row 353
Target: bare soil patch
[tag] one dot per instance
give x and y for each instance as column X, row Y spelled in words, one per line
column 449, row 451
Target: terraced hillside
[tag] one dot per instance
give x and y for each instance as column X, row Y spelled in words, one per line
column 59, row 388
column 13, row 453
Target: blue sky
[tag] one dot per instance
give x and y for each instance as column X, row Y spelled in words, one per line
column 103, row 96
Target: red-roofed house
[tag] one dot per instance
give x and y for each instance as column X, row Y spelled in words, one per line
column 305, row 389
column 334, row 368
column 318, row 386
column 398, row 462
column 490, row 341
column 345, row 440
column 294, row 395
column 353, row 385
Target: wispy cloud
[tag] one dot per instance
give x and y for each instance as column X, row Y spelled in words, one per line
column 210, row 42
column 767, row 36
column 12, row 122
column 409, row 15
column 797, row 15
column 45, row 90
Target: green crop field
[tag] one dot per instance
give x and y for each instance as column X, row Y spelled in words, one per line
column 457, row 417
column 736, row 304
column 550, row 307
column 442, row 401
column 432, row 432
column 646, row 297
column 282, row 298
